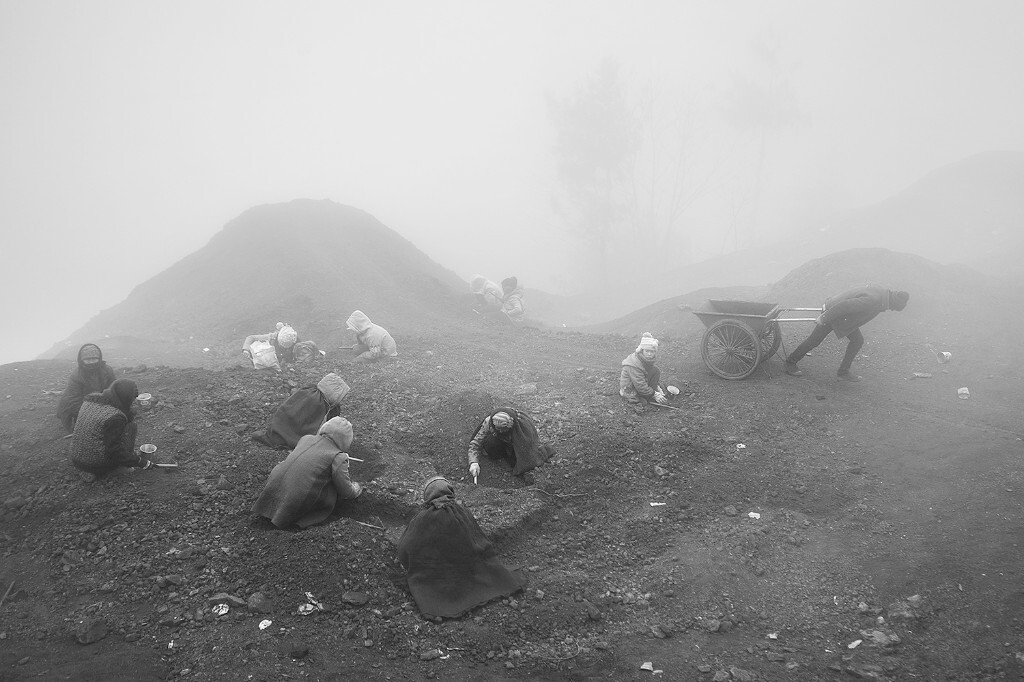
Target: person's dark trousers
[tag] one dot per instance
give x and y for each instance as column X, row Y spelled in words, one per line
column 819, row 334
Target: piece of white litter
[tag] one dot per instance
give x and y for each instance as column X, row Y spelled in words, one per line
column 206, row 350
column 220, row 609
column 658, row 504
column 741, row 446
column 754, row 515
column 264, row 624
column 773, row 635
column 854, row 644
column 306, row 609
column 647, row 666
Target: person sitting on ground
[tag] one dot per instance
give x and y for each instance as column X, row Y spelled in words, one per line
column 451, row 566
column 512, row 435
column 304, row 489
column 373, row 342
column 283, row 339
column 104, row 436
column 640, row 379
column 512, row 301
column 488, row 294
column 302, row 413
column 844, row 314
column 92, row 375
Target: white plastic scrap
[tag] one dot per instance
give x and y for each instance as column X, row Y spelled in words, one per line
column 741, row 446
column 773, row 635
column 313, row 602
column 647, row 665
column 220, row 609
column 306, row 609
column 658, row 504
column 854, row 644
column 264, row 624
column 754, row 515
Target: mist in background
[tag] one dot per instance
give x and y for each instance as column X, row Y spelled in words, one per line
column 130, row 132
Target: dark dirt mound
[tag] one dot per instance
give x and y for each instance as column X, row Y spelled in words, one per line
column 309, row 263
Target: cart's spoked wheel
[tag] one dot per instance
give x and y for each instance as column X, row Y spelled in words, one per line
column 771, row 338
column 731, row 349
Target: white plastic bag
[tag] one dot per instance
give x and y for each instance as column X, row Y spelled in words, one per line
column 263, row 355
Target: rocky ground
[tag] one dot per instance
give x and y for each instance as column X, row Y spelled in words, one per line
column 768, row 529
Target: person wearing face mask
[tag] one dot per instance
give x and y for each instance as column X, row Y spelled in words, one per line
column 640, row 379
column 451, row 566
column 511, row 435
column 105, row 431
column 92, row 375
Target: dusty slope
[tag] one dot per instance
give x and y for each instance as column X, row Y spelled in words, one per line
column 307, row 262
column 969, row 212
column 868, row 495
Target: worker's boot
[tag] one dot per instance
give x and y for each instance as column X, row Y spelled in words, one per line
column 845, row 375
column 791, row 369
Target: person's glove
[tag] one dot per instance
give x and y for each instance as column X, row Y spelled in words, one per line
column 147, row 463
column 820, row 320
column 474, row 469
column 660, row 398
column 247, row 354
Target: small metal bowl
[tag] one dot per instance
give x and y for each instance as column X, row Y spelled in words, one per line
column 147, row 448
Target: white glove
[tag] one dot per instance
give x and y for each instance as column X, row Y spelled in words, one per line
column 819, row 320
column 660, row 398
column 474, row 469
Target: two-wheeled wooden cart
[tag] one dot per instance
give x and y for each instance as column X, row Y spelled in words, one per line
column 741, row 335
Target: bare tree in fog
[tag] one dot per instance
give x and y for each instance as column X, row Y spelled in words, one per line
column 762, row 107
column 630, row 166
column 671, row 170
column 595, row 143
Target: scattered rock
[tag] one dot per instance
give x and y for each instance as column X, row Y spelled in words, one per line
column 260, row 603
column 90, row 631
column 225, row 598
column 741, row 675
column 731, row 511
column 593, row 613
column 430, row 655
column 355, row 598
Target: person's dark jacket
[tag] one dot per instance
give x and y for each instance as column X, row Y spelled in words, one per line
column 849, row 310
column 104, row 437
column 520, row 445
column 85, row 379
column 451, row 565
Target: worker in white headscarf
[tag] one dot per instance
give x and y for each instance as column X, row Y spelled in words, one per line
column 373, row 341
column 640, row 380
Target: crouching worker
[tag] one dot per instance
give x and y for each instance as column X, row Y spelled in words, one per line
column 283, row 340
column 511, row 435
column 450, row 564
column 488, row 296
column 104, row 437
column 92, row 375
column 512, row 300
column 373, row 341
column 640, row 379
column 304, row 488
column 302, row 413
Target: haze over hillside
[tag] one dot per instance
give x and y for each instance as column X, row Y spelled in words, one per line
column 310, row 263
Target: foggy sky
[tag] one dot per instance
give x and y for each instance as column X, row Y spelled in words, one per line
column 131, row 132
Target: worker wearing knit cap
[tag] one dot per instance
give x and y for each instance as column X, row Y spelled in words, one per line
column 640, row 379
column 283, row 339
column 844, row 314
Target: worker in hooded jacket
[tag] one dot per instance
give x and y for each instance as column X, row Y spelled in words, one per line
column 373, row 342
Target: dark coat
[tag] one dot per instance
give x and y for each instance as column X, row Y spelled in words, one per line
column 85, row 379
column 849, row 310
column 451, row 565
column 521, row 446
column 104, row 437
column 301, row 414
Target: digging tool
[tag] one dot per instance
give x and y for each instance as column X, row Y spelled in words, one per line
column 345, row 347
column 354, row 459
column 667, row 407
column 165, row 465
